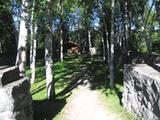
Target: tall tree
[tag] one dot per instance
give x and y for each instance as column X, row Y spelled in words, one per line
column 23, row 32
column 33, row 42
column 104, row 15
column 89, row 43
column 60, row 7
column 111, row 83
column 48, row 52
column 33, row 64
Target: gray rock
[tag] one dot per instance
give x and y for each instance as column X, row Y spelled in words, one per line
column 15, row 99
column 142, row 91
column 8, row 75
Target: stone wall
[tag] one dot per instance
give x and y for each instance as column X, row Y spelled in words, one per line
column 15, row 99
column 142, row 91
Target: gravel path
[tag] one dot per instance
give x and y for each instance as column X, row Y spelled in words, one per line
column 85, row 105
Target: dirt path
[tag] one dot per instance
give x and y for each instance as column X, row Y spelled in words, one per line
column 84, row 104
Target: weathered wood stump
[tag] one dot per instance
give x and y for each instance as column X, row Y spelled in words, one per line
column 15, row 99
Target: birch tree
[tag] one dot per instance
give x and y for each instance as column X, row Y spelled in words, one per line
column 48, row 53
column 33, row 43
column 33, row 64
column 21, row 50
column 89, row 42
column 61, row 31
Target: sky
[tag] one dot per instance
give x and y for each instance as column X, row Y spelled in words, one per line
column 16, row 14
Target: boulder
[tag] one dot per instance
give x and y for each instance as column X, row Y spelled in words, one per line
column 142, row 91
column 15, row 99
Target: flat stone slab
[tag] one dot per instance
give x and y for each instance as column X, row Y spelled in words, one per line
column 3, row 67
column 8, row 75
column 150, row 71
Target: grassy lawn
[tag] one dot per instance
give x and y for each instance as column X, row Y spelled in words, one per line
column 65, row 82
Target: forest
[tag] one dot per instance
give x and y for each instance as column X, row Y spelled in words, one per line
column 74, row 52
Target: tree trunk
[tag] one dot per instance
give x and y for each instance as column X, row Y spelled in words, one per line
column 31, row 34
column 31, row 51
column 90, row 44
column 126, row 24
column 106, row 44
column 89, row 39
column 103, row 49
column 106, row 53
column 1, row 47
column 49, row 63
column 107, row 48
column 61, row 45
column 111, row 83
column 33, row 65
column 61, row 30
column 21, row 54
column 48, row 54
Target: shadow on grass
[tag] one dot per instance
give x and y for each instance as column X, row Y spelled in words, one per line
column 69, row 74
column 40, row 88
column 100, row 79
column 95, row 73
column 77, row 79
column 40, row 74
column 119, row 94
column 72, row 76
column 99, row 75
column 46, row 109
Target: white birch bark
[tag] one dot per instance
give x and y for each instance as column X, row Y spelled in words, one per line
column 31, row 51
column 33, row 44
column 90, row 44
column 49, row 62
column 34, row 56
column 21, row 54
column 61, row 31
column 31, row 36
column 89, row 39
column 61, row 45
column 48, row 54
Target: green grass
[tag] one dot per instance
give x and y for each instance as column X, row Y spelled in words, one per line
column 62, row 74
column 112, row 101
column 110, row 97
column 64, row 80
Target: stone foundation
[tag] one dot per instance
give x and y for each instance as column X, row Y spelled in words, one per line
column 15, row 99
column 142, row 91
